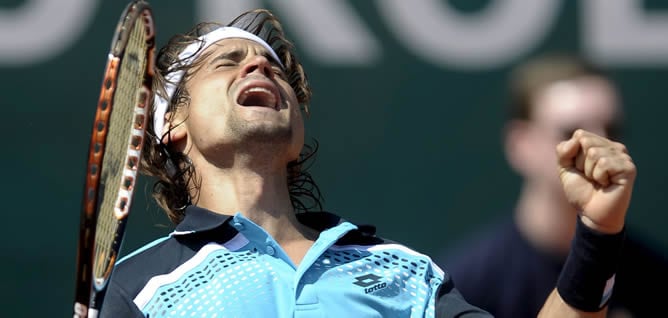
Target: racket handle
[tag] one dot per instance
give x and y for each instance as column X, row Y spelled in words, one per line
column 82, row 311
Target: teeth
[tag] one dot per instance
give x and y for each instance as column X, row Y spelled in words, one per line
column 266, row 97
column 258, row 89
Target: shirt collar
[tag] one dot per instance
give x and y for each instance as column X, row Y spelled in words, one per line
column 198, row 220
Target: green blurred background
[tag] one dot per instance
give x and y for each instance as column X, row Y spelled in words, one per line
column 407, row 108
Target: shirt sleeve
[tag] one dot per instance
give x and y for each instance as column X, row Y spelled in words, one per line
column 449, row 303
column 117, row 303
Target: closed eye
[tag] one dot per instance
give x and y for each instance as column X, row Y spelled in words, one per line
column 226, row 63
column 278, row 70
column 229, row 58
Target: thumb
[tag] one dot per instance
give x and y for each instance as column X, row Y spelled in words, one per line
column 566, row 152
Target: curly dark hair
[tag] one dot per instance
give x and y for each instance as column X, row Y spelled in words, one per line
column 175, row 173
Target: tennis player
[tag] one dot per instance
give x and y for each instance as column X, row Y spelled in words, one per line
column 228, row 152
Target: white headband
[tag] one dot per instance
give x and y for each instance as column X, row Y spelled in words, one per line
column 189, row 54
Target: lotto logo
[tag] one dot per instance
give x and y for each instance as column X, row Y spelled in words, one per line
column 369, row 280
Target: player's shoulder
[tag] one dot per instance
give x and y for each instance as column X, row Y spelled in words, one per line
column 158, row 256
column 132, row 271
column 384, row 253
column 363, row 241
column 147, row 251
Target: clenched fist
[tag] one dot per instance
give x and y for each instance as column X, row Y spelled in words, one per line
column 597, row 175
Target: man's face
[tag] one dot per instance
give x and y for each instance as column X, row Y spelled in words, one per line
column 589, row 103
column 240, row 101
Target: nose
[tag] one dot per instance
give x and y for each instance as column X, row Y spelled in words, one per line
column 258, row 64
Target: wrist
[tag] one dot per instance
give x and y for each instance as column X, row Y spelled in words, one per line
column 601, row 228
column 587, row 278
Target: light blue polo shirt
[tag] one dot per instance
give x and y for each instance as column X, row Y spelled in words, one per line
column 233, row 268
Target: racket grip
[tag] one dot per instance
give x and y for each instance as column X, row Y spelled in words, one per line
column 82, row 311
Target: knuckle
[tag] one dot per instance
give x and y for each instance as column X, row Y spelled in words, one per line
column 627, row 157
column 598, row 154
column 622, row 147
column 594, row 153
column 587, row 141
column 603, row 162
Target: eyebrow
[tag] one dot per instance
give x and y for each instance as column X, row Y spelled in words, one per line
column 235, row 54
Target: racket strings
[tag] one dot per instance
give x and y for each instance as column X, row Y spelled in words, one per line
column 121, row 145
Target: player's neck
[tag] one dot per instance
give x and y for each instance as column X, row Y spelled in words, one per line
column 545, row 219
column 260, row 194
column 245, row 190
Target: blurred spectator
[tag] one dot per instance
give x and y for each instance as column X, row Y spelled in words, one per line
column 510, row 267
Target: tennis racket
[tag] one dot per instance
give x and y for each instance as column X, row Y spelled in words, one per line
column 114, row 154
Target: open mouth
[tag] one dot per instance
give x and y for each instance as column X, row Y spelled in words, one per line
column 258, row 96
